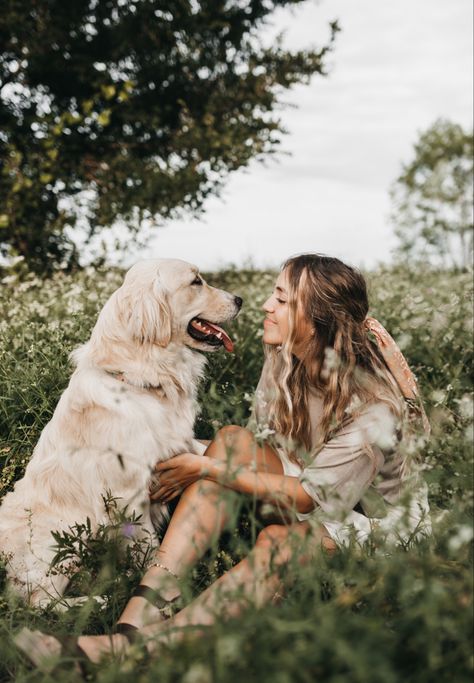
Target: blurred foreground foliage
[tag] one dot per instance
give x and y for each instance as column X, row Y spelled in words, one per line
column 360, row 616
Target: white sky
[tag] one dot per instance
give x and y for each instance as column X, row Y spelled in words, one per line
column 397, row 66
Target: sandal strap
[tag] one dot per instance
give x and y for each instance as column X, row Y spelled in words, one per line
column 150, row 595
column 70, row 648
column 154, row 598
column 133, row 636
column 130, row 631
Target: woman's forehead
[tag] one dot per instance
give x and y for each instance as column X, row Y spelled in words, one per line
column 282, row 281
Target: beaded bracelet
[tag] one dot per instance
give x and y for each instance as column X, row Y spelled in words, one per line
column 167, row 569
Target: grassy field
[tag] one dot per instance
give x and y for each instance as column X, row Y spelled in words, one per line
column 361, row 616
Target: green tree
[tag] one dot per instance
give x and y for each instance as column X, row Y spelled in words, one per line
column 130, row 109
column 433, row 198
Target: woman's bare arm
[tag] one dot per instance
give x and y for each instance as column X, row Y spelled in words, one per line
column 279, row 489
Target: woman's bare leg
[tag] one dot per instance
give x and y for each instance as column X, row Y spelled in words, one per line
column 201, row 512
column 198, row 519
column 200, row 515
column 255, row 580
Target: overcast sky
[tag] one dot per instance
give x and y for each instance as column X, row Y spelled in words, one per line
column 397, row 66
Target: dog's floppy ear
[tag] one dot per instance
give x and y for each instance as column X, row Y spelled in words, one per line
column 150, row 316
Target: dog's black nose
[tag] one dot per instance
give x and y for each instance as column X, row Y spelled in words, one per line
column 238, row 301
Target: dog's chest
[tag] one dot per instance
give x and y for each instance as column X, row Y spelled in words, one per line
column 172, row 425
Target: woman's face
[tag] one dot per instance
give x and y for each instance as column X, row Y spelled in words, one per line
column 276, row 326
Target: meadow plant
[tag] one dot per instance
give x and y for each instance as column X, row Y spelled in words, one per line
column 361, row 615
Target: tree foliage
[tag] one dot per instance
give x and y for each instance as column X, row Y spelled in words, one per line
column 130, row 109
column 433, row 197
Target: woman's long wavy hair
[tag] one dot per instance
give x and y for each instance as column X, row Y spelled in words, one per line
column 339, row 358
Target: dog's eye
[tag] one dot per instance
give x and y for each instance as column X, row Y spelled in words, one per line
column 197, row 281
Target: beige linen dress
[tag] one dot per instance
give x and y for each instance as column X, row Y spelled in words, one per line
column 354, row 478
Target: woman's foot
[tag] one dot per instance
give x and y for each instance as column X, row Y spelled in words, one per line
column 45, row 651
column 97, row 647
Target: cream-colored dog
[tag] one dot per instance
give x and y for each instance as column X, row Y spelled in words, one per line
column 130, row 403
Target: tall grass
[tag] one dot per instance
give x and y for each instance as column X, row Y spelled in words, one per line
column 360, row 615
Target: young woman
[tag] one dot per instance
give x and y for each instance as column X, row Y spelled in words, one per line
column 323, row 447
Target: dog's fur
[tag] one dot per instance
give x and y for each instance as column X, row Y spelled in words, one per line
column 130, row 403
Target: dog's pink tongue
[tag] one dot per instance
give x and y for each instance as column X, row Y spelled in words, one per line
column 226, row 340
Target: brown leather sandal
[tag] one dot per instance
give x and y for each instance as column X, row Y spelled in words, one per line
column 166, row 608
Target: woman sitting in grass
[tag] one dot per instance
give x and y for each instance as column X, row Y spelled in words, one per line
column 323, row 447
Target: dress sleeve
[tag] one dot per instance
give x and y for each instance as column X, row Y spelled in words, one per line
column 346, row 466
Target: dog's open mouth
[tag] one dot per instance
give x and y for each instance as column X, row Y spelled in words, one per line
column 210, row 333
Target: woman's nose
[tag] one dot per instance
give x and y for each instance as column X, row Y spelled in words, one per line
column 267, row 307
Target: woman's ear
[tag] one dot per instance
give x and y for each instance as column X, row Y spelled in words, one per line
column 149, row 316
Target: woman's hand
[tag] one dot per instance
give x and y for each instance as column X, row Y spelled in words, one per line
column 175, row 474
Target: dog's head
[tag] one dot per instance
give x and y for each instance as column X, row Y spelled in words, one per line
column 164, row 300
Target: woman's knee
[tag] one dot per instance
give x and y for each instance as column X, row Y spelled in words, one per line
column 230, row 431
column 271, row 547
column 228, row 441
column 272, row 536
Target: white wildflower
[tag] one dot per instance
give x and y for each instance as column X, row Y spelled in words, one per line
column 263, row 432
column 354, row 404
column 16, row 260
column 386, row 439
column 439, row 516
column 404, row 341
column 39, row 309
column 439, row 321
column 229, row 649
column 466, row 407
column 74, row 307
column 198, row 673
column 438, row 396
column 331, row 361
column 469, row 433
column 462, row 535
column 381, row 430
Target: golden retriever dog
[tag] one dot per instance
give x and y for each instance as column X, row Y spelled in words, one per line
column 130, row 403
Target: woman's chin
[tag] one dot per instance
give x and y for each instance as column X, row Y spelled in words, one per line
column 272, row 340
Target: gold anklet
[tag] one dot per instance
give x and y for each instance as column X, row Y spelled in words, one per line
column 167, row 569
